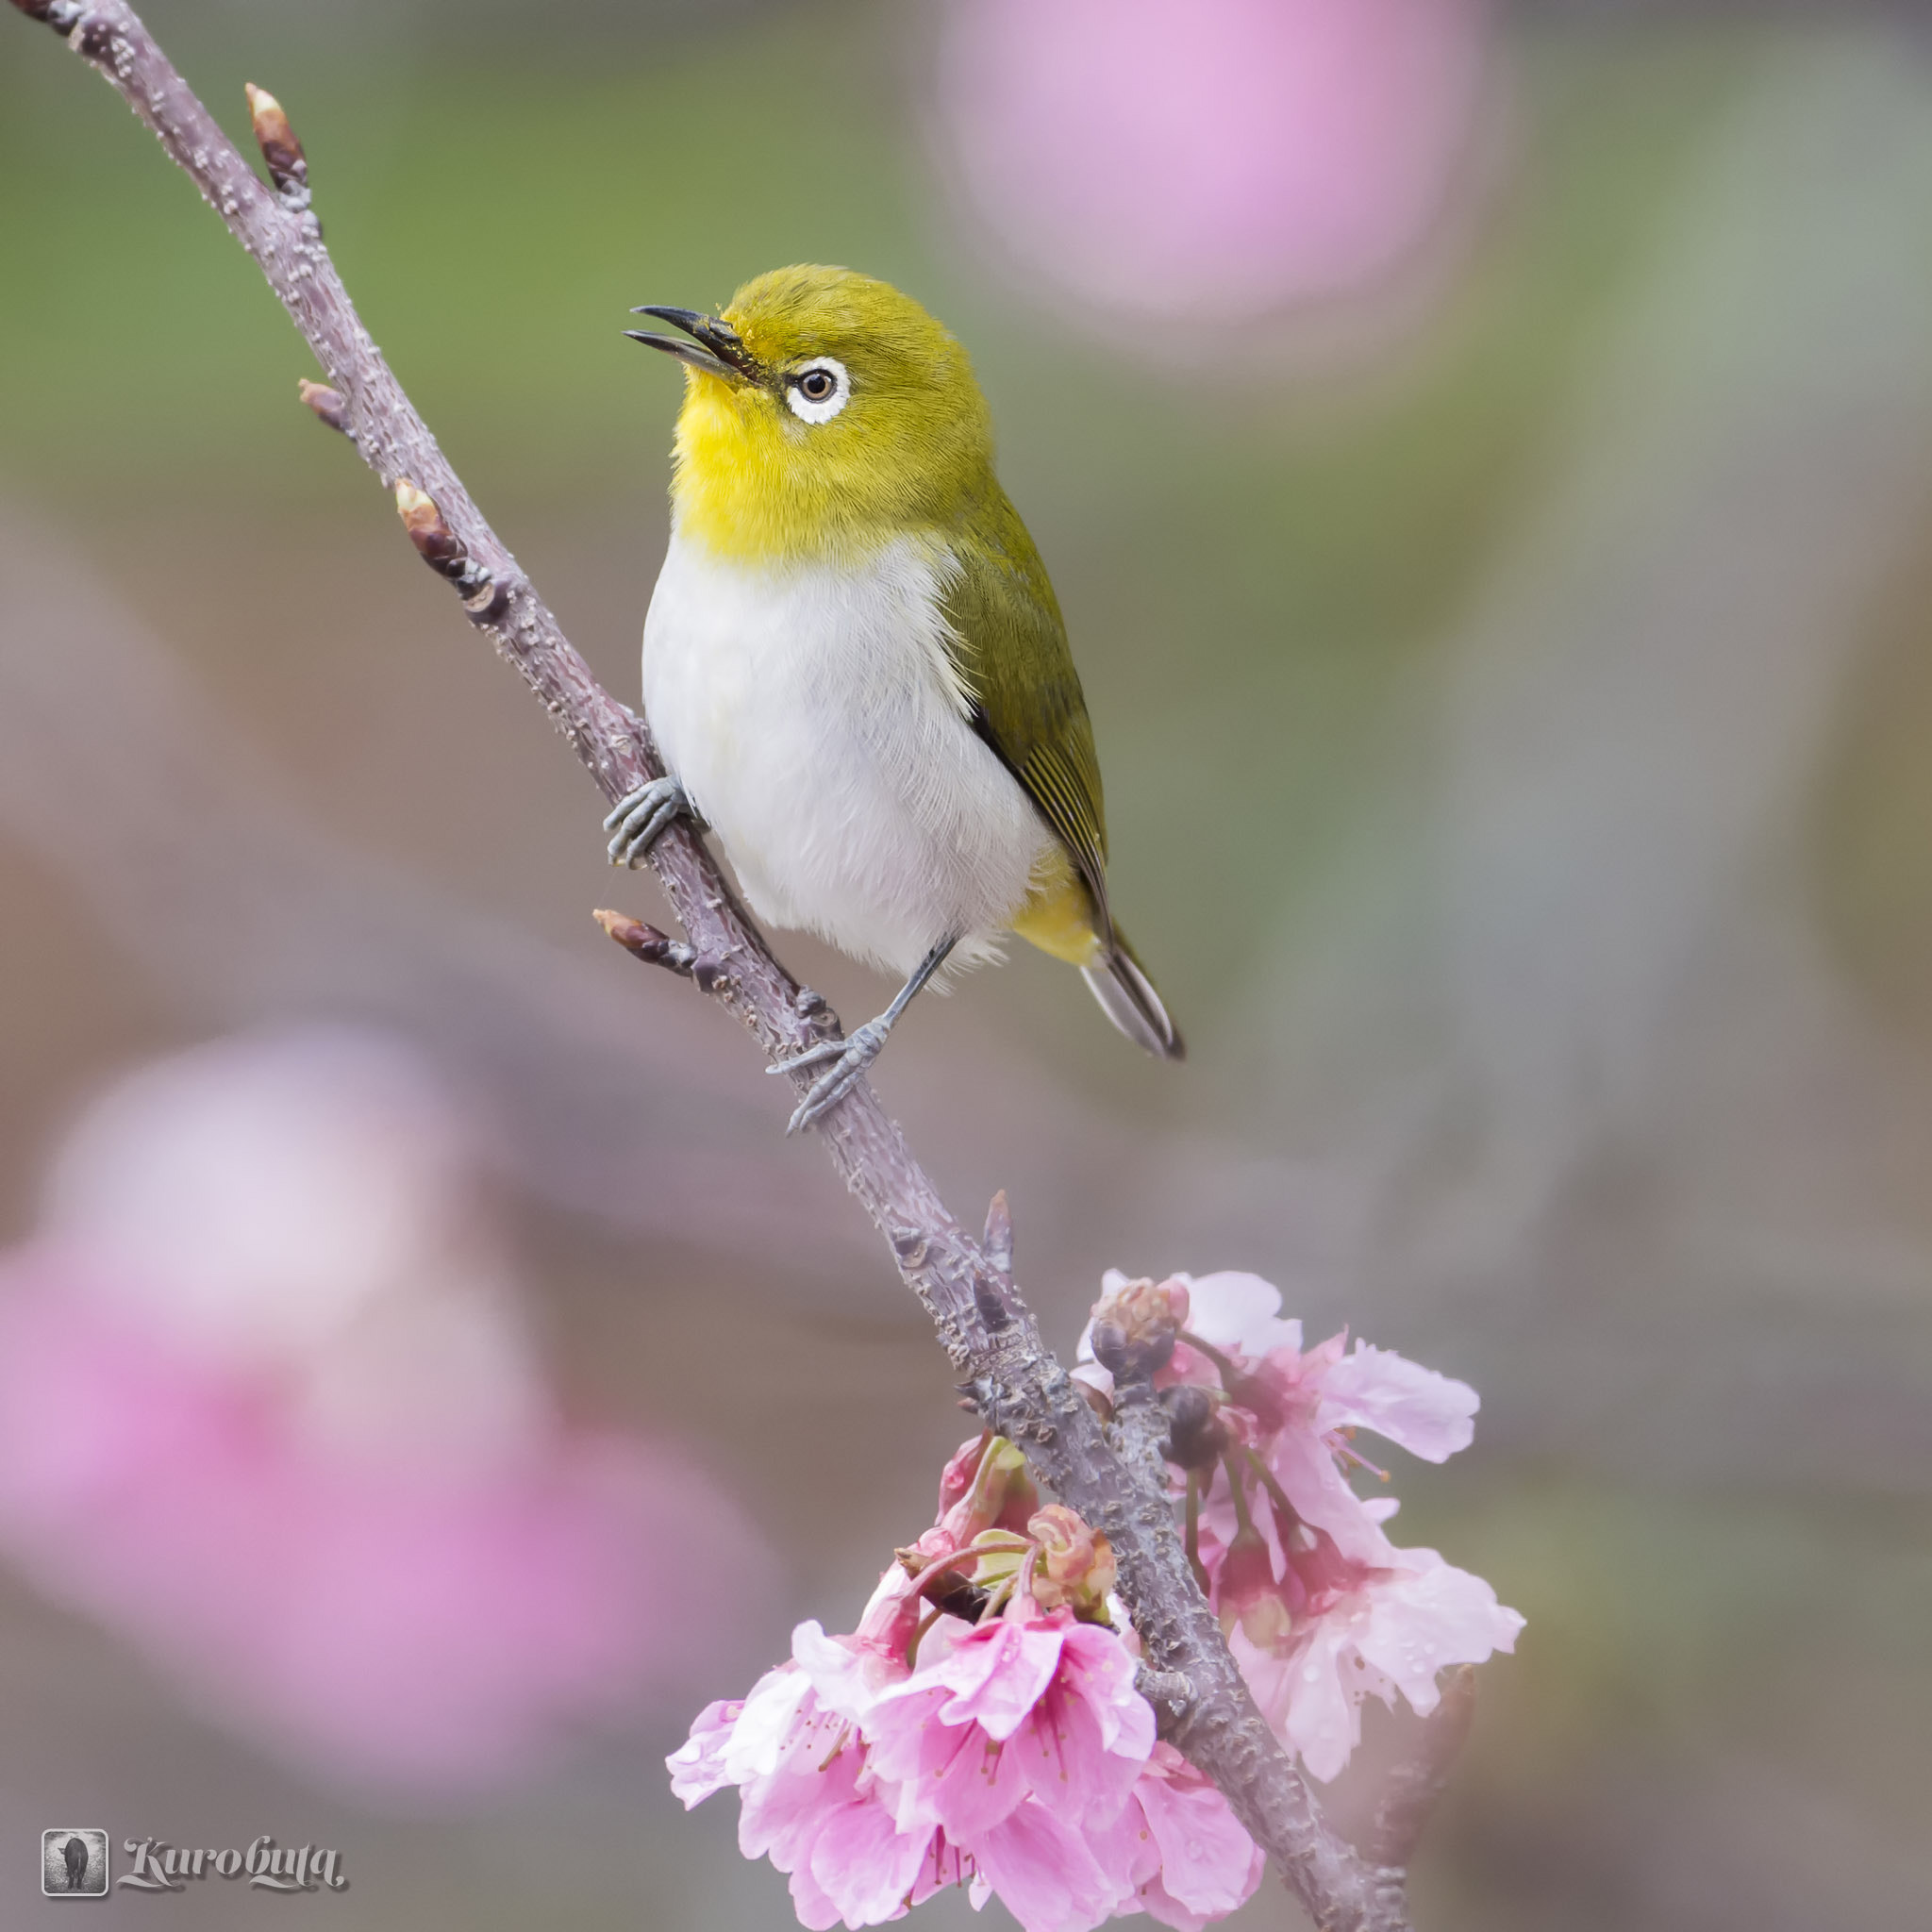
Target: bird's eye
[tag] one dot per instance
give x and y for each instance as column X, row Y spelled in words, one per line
column 818, row 391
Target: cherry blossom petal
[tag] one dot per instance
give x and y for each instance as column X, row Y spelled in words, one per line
column 1240, row 1311
column 697, row 1766
column 1208, row 1864
column 865, row 1866
column 1429, row 1414
column 998, row 1673
column 1428, row 1616
column 1303, row 1465
column 816, row 1910
column 951, row 1775
column 1100, row 1669
column 1324, row 1722
column 1069, row 1767
column 758, row 1738
column 845, row 1676
column 1044, row 1873
column 780, row 1816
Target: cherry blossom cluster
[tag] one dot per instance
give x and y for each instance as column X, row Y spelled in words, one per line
column 980, row 1727
column 1320, row 1609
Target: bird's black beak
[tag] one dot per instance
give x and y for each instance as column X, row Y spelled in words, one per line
column 714, row 348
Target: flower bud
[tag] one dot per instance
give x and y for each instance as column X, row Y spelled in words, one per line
column 1135, row 1327
column 1077, row 1563
column 999, row 1494
column 956, row 1477
column 1196, row 1436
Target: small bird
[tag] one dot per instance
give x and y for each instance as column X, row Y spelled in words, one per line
column 854, row 666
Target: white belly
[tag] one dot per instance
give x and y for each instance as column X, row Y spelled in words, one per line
column 814, row 720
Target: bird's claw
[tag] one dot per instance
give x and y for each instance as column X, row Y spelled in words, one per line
column 638, row 819
column 850, row 1058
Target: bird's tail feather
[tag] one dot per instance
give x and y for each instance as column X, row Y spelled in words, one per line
column 1128, row 998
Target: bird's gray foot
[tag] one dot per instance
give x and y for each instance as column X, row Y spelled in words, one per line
column 849, row 1059
column 638, row 821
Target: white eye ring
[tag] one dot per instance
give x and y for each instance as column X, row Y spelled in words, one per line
column 818, row 409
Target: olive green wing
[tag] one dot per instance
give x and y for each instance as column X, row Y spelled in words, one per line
column 1009, row 648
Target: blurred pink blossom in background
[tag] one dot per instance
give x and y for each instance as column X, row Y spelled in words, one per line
column 1218, row 161
column 268, row 1408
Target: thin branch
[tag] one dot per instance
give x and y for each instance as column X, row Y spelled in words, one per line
column 989, row 1332
column 1413, row 1786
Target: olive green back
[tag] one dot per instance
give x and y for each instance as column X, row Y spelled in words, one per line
column 1013, row 659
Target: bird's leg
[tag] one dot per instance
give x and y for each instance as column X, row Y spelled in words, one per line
column 852, row 1056
column 639, row 819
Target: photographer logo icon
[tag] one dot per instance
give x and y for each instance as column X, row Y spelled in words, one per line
column 74, row 1863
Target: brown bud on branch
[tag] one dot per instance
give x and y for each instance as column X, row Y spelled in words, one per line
column 647, row 944
column 436, row 543
column 998, row 1238
column 441, row 549
column 287, row 166
column 329, row 406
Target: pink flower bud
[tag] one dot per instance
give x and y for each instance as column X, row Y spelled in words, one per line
column 998, row 1495
column 1077, row 1563
column 956, row 1477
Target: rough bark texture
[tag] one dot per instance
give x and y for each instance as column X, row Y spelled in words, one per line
column 1114, row 1477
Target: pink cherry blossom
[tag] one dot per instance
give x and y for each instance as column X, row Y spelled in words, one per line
column 1242, row 154
column 1031, row 1704
column 1366, row 1632
column 1321, row 1608
column 1194, row 1861
column 1012, row 1755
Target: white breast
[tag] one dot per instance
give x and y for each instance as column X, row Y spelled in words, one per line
column 815, row 720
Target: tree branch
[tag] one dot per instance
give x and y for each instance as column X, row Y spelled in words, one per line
column 989, row 1332
column 1409, row 1795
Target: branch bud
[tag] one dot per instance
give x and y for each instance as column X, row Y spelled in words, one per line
column 330, row 407
column 998, row 1238
column 435, row 542
column 441, row 549
column 647, row 944
column 287, row 166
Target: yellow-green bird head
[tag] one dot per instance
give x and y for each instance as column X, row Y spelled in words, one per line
column 824, row 412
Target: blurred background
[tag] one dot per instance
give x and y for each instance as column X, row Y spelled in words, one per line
column 1485, row 455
